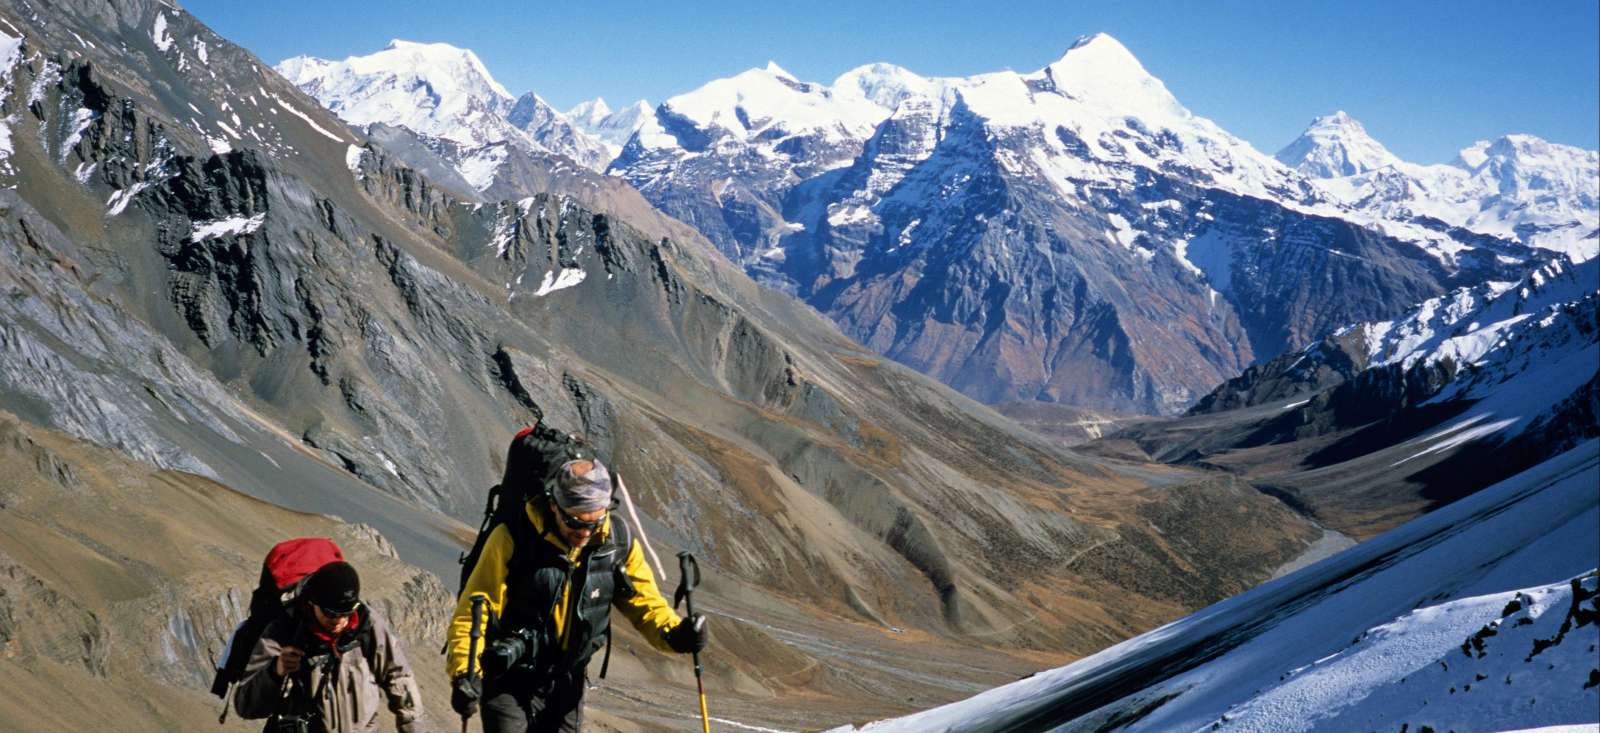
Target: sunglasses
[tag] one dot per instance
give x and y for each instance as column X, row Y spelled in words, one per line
column 576, row 523
column 330, row 613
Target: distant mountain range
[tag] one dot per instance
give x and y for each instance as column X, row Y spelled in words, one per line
column 1516, row 187
column 1069, row 235
column 440, row 91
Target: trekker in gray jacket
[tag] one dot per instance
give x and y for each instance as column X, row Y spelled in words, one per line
column 329, row 665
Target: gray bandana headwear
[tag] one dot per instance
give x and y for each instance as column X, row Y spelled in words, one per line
column 583, row 486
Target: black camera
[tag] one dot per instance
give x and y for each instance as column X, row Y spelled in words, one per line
column 516, row 647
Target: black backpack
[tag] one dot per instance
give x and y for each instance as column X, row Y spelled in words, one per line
column 535, row 456
column 532, row 462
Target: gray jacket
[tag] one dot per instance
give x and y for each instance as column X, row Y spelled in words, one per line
column 340, row 688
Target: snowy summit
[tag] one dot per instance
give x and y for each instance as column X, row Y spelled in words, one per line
column 1333, row 146
column 432, row 88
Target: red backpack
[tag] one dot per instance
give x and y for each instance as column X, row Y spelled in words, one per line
column 287, row 563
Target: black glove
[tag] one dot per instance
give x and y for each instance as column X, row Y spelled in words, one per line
column 689, row 635
column 464, row 694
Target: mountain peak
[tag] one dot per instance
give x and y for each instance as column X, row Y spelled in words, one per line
column 1335, row 146
column 428, row 61
column 1100, row 70
column 885, row 85
column 1105, row 42
column 1339, row 118
column 431, row 88
column 1103, row 52
column 774, row 69
column 595, row 108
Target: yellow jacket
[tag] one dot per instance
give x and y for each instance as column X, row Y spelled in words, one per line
column 646, row 608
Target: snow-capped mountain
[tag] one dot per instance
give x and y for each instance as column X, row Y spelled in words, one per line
column 1515, row 187
column 1073, row 234
column 442, row 92
column 1480, row 616
column 551, row 129
column 1335, row 146
column 611, row 127
column 790, row 130
column 434, row 89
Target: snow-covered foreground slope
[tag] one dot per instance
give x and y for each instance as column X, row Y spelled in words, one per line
column 1372, row 639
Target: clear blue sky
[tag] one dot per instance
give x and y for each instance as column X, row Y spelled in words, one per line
column 1426, row 78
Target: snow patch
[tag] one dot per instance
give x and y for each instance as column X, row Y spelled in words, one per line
column 352, row 158
column 1461, row 432
column 158, row 33
column 121, row 198
column 81, row 119
column 552, row 282
column 307, row 119
column 233, row 226
column 480, row 166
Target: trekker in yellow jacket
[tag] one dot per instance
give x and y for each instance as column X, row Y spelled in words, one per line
column 549, row 585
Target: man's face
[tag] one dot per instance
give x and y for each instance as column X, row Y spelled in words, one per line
column 576, row 536
column 332, row 623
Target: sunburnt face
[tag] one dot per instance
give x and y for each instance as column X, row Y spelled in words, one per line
column 576, row 536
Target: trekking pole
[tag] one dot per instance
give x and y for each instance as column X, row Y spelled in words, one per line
column 478, row 600
column 691, row 578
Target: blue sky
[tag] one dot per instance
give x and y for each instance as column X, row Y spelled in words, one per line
column 1425, row 78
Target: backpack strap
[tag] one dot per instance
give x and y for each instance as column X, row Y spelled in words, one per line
column 369, row 649
column 605, row 662
column 621, row 536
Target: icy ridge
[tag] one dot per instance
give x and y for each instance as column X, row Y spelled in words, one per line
column 1467, row 323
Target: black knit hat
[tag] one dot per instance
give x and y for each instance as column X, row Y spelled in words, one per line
column 335, row 588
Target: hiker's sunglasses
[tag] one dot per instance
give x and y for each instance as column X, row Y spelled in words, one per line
column 576, row 523
column 337, row 614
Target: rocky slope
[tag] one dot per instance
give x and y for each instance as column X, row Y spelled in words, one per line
column 206, row 270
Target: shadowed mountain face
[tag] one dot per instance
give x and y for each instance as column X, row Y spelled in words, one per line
column 206, row 271
column 1381, row 420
